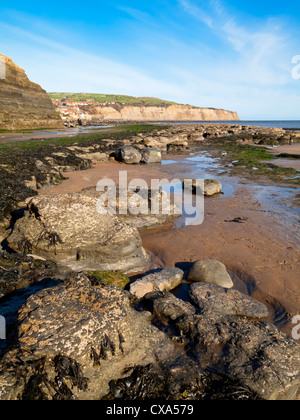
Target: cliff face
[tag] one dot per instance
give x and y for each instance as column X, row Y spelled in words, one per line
column 23, row 104
column 155, row 113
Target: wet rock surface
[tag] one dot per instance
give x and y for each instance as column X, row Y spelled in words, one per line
column 74, row 337
column 213, row 299
column 254, row 356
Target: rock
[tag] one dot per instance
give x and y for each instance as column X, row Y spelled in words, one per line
column 129, row 155
column 24, row 104
column 141, row 208
column 68, row 230
column 255, row 355
column 167, row 279
column 83, row 335
column 151, row 155
column 179, row 146
column 213, row 299
column 237, row 358
column 211, row 186
column 210, row 271
column 165, row 306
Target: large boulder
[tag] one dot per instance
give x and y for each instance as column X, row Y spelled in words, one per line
column 129, row 155
column 75, row 338
column 151, row 155
column 210, row 271
column 167, row 279
column 214, row 299
column 68, row 230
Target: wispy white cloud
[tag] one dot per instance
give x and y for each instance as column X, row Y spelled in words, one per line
column 59, row 67
column 197, row 12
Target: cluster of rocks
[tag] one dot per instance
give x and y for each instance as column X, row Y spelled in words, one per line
column 74, row 337
column 133, row 156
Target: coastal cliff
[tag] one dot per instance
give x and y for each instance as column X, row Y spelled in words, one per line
column 92, row 108
column 23, row 104
column 150, row 113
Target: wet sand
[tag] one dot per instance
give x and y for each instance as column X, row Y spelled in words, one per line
column 262, row 254
column 6, row 138
column 294, row 149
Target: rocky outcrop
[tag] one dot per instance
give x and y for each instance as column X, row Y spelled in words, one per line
column 74, row 338
column 68, row 230
column 252, row 356
column 148, row 113
column 24, row 104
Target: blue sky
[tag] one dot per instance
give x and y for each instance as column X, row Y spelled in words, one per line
column 229, row 54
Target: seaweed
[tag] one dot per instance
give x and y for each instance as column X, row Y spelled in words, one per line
column 40, row 387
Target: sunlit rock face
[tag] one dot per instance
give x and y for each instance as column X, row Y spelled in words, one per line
column 23, row 104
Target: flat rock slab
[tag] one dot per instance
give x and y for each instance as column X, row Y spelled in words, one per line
column 216, row 299
column 210, row 271
column 167, row 279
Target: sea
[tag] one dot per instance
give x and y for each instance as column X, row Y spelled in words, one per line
column 287, row 125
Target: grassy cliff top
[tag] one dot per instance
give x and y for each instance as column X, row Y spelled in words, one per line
column 102, row 98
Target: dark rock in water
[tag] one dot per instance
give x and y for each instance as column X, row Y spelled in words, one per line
column 129, row 155
column 18, row 272
column 253, row 355
column 85, row 334
column 213, row 299
column 68, row 230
